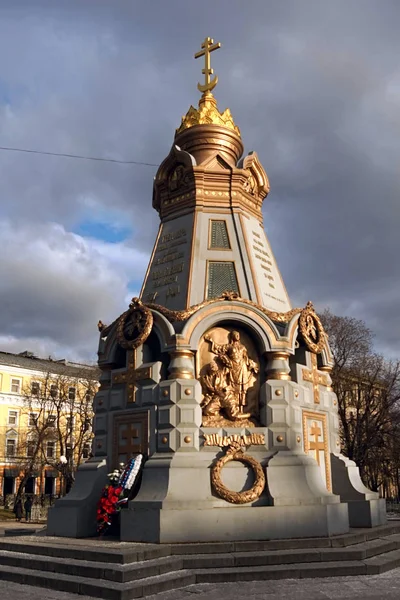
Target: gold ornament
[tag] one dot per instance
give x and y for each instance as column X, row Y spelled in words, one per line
column 251, row 439
column 207, row 114
column 183, row 315
column 207, row 46
column 311, row 329
column 227, row 379
column 134, row 325
column 235, row 452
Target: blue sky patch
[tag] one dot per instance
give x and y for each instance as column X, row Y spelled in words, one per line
column 107, row 232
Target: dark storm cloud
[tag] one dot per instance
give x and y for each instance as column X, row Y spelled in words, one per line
column 313, row 85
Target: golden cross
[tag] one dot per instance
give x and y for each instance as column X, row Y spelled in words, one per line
column 316, row 445
column 129, row 377
column 208, row 46
column 315, row 378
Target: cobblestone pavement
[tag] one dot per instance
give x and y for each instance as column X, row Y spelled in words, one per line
column 373, row 587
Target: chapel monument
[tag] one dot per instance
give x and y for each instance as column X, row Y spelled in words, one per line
column 212, row 375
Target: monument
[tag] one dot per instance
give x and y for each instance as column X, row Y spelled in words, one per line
column 212, row 375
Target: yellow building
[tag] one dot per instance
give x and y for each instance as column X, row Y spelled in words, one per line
column 45, row 422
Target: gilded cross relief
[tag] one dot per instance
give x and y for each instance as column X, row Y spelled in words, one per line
column 229, row 375
column 315, row 433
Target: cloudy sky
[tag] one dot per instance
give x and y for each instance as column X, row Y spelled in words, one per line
column 314, row 87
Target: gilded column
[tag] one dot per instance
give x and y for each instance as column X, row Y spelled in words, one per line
column 278, row 365
column 182, row 364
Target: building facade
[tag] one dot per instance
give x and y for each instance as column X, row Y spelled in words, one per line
column 45, row 422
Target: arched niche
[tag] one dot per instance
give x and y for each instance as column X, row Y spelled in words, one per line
column 260, row 327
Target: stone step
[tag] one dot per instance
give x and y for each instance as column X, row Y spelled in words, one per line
column 66, row 548
column 132, row 569
column 122, row 582
column 285, row 557
column 288, row 571
column 126, row 553
column 98, row 588
column 383, row 562
column 91, row 569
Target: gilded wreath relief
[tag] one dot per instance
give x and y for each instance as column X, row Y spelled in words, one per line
column 229, row 380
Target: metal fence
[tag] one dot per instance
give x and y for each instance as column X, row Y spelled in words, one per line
column 40, row 505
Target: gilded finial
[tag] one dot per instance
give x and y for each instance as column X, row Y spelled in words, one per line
column 207, row 46
column 208, row 112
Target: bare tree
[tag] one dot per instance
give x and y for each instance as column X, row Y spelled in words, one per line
column 368, row 390
column 58, row 411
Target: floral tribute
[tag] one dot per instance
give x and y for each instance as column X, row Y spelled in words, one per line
column 116, row 493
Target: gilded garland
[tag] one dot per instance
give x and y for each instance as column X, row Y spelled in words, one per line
column 311, row 329
column 182, row 315
column 235, row 452
column 134, row 325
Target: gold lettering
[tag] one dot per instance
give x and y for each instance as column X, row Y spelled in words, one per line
column 168, row 246
column 169, row 237
column 151, row 297
column 274, row 298
column 168, row 271
column 173, row 290
column 169, row 257
column 165, row 281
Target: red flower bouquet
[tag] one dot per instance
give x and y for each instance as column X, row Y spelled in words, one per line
column 115, row 494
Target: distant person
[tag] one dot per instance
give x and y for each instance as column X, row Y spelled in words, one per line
column 28, row 508
column 19, row 513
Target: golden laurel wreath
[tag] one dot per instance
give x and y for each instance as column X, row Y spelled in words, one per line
column 312, row 329
column 235, row 452
column 134, row 325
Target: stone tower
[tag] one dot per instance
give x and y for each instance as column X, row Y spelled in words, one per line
column 212, row 375
column 211, row 236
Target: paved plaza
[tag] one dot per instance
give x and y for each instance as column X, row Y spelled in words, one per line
column 373, row 587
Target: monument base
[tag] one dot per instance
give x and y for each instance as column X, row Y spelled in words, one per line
column 74, row 515
column 236, row 523
column 367, row 513
column 366, row 509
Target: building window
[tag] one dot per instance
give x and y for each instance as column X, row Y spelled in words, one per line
column 30, row 448
column 35, row 388
column 70, row 423
column 219, row 236
column 12, row 417
column 53, row 390
column 50, row 449
column 32, row 419
column 87, row 424
column 88, row 397
column 11, row 447
column 71, row 393
column 51, row 420
column 15, row 385
column 221, row 278
column 86, row 450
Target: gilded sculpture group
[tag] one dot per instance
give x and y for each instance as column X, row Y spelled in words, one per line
column 227, row 379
